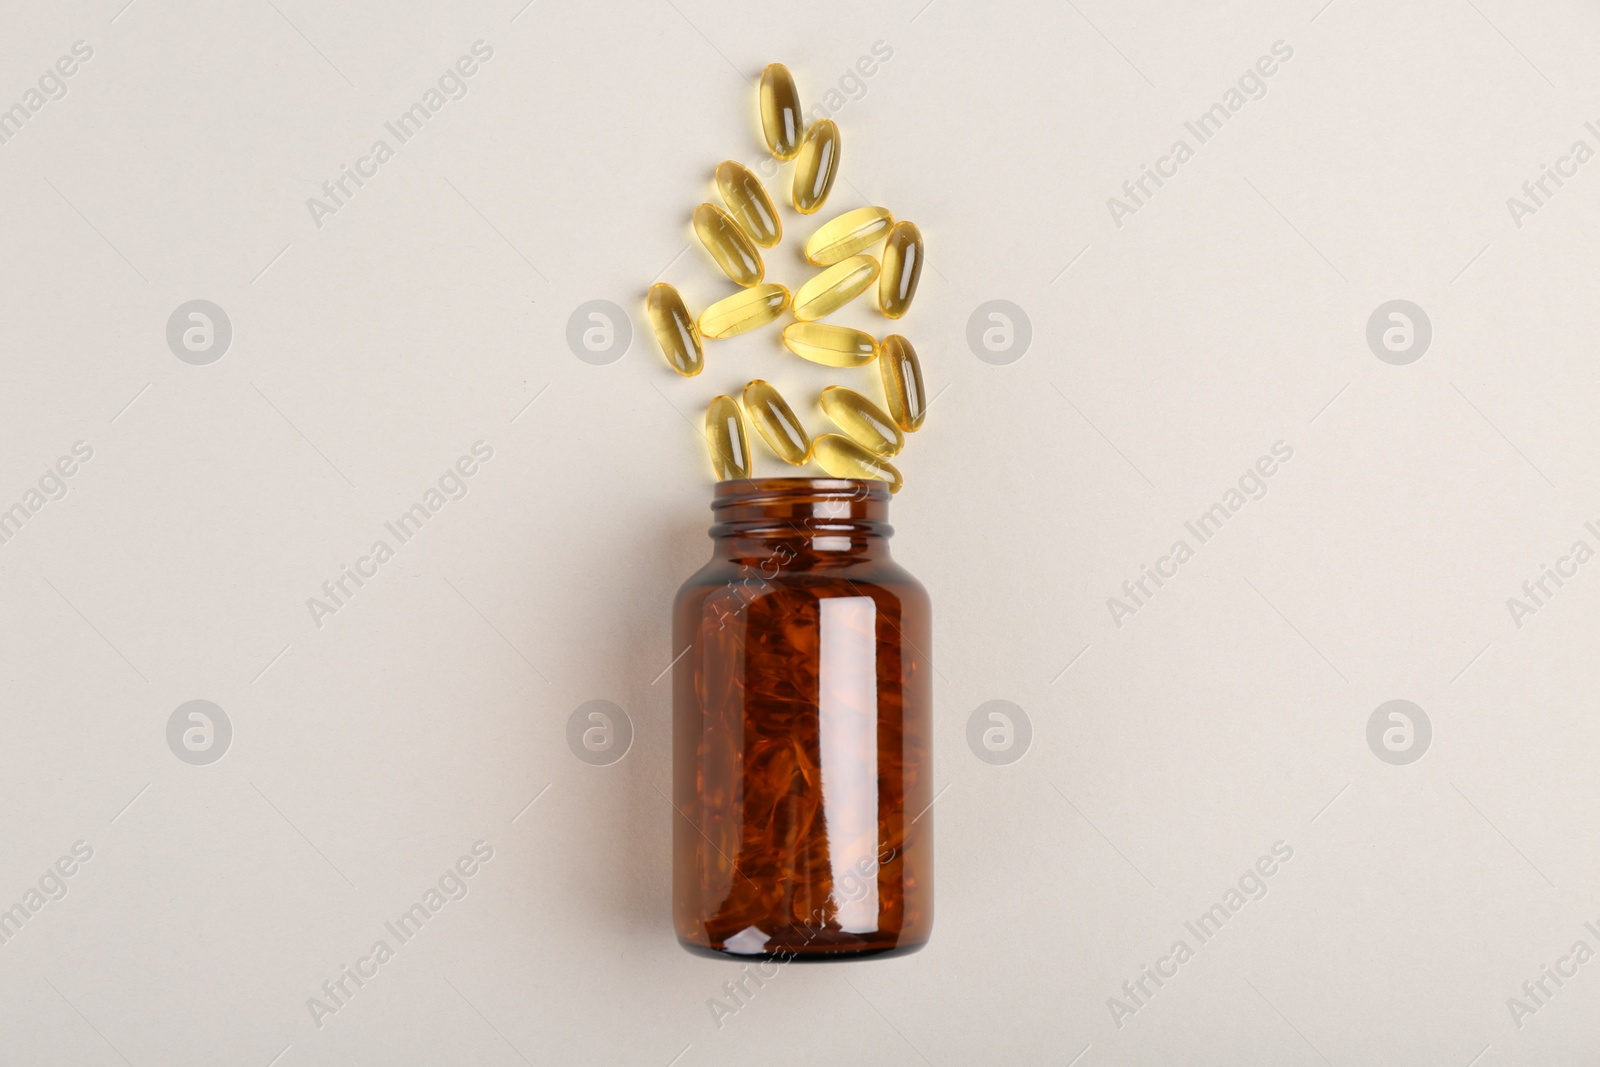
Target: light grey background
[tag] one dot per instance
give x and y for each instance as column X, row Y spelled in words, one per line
column 1168, row 753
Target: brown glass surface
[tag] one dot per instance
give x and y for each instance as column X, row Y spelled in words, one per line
column 802, row 730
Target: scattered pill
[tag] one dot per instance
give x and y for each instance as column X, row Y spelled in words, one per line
column 744, row 310
column 749, row 203
column 832, row 288
column 728, row 245
column 776, row 422
column 902, row 268
column 844, row 236
column 780, row 111
column 725, row 439
column 831, row 346
column 675, row 330
column 816, row 167
column 843, row 458
column 862, row 421
column 734, row 235
column 902, row 383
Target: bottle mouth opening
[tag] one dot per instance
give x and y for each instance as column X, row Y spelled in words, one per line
column 776, row 506
column 746, row 492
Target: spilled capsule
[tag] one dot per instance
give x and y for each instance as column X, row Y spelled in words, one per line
column 862, row 420
column 902, row 383
column 776, row 422
column 749, row 203
column 675, row 330
column 830, row 289
column 744, row 310
column 780, row 111
column 728, row 245
column 816, row 167
column 829, row 345
column 725, row 439
column 902, row 269
column 844, row 236
column 843, row 458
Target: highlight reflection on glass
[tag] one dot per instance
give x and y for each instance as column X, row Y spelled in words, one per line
column 847, row 711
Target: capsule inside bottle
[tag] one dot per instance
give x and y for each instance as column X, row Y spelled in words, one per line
column 902, row 269
column 902, row 383
column 728, row 245
column 843, row 458
column 828, row 290
column 745, row 310
column 776, row 422
column 749, row 203
column 675, row 330
column 829, row 345
column 725, row 439
column 780, row 111
column 844, row 236
column 862, row 421
column 816, row 166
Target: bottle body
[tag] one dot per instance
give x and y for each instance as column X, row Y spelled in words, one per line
column 802, row 731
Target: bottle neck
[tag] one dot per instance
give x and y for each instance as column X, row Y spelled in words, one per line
column 800, row 523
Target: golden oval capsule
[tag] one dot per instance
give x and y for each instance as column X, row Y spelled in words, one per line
column 844, row 236
column 862, row 420
column 831, row 346
column 744, row 310
column 776, row 422
column 902, row 383
column 902, row 269
column 675, row 330
column 780, row 111
column 827, row 291
column 843, row 458
column 728, row 245
column 816, row 167
column 725, row 439
column 749, row 203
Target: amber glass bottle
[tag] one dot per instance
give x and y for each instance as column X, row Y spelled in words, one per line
column 802, row 731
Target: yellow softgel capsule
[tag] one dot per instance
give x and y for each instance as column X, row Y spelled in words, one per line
column 675, row 330
column 902, row 269
column 776, row 422
column 862, row 420
column 902, row 383
column 816, row 167
column 725, row 439
column 831, row 346
column 749, row 203
column 852, row 232
column 728, row 245
column 843, row 458
column 744, row 310
column 780, row 111
column 827, row 291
